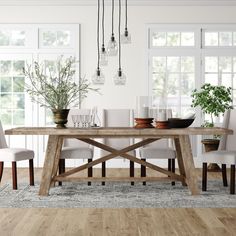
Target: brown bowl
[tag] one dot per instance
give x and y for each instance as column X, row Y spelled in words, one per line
column 179, row 123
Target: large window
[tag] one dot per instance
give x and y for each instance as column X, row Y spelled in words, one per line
column 183, row 57
column 21, row 44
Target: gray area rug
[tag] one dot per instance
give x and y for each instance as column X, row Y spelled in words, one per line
column 116, row 195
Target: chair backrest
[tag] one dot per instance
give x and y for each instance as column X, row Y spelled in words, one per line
column 74, row 142
column 118, row 118
column 3, row 143
column 231, row 139
column 225, row 124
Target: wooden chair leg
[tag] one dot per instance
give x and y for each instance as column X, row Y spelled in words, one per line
column 131, row 170
column 61, row 169
column 173, row 170
column 224, row 175
column 103, row 171
column 143, row 171
column 204, row 176
column 90, row 171
column 232, row 179
column 31, row 171
column 1, row 169
column 14, row 175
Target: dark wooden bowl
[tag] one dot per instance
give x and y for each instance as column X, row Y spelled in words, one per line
column 179, row 123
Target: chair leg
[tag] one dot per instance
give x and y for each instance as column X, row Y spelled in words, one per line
column 232, row 179
column 90, row 171
column 204, row 176
column 224, row 175
column 169, row 165
column 1, row 169
column 131, row 170
column 173, row 170
column 143, row 171
column 14, row 175
column 103, row 171
column 31, row 171
column 61, row 169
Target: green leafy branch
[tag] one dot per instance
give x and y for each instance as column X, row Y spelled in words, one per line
column 213, row 100
column 59, row 91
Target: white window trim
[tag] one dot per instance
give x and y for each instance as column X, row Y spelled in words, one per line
column 32, row 52
column 199, row 51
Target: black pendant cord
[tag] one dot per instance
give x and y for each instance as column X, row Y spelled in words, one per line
column 103, row 19
column 112, row 20
column 98, row 47
column 126, row 15
column 119, row 35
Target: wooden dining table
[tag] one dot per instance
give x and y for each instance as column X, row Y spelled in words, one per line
column 187, row 173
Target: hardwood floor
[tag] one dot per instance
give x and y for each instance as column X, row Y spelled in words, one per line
column 114, row 222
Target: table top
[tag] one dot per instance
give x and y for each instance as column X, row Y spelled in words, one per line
column 117, row 131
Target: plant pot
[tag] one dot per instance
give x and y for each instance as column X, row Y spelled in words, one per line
column 60, row 117
column 211, row 145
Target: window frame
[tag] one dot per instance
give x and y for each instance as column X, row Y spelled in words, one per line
column 33, row 51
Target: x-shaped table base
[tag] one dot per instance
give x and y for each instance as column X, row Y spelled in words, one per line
column 184, row 157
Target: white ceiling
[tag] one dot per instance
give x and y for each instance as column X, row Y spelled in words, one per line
column 130, row 2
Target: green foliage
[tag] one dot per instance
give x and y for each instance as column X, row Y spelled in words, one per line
column 56, row 91
column 213, row 100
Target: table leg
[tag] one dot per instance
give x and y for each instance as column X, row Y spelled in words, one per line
column 52, row 150
column 57, row 159
column 190, row 171
column 180, row 159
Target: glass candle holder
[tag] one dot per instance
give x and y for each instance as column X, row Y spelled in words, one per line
column 142, row 107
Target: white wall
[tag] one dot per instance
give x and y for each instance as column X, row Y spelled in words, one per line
column 134, row 55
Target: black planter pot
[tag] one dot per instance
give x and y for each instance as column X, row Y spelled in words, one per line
column 60, row 117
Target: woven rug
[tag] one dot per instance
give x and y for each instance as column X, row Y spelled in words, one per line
column 116, row 195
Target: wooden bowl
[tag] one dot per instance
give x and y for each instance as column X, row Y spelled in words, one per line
column 162, row 124
column 143, row 123
column 179, row 123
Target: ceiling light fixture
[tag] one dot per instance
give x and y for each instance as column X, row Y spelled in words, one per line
column 98, row 77
column 126, row 37
column 112, row 49
column 119, row 78
column 103, row 53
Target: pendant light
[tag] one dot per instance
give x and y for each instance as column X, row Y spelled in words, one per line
column 126, row 37
column 119, row 78
column 98, row 77
column 112, row 44
column 103, row 53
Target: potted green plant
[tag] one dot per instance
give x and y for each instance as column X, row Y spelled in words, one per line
column 213, row 100
column 57, row 89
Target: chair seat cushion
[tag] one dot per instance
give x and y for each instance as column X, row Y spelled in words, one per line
column 157, row 153
column 15, row 154
column 220, row 157
column 76, row 153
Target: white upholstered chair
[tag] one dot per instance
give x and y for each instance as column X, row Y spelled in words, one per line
column 76, row 149
column 158, row 150
column 225, row 155
column 14, row 155
column 118, row 118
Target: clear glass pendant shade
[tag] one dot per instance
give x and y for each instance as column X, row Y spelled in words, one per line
column 120, row 78
column 112, row 48
column 98, row 77
column 103, row 57
column 126, row 37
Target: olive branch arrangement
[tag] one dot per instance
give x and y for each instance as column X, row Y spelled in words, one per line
column 56, row 90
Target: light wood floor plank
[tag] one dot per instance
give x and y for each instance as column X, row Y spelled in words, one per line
column 114, row 222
